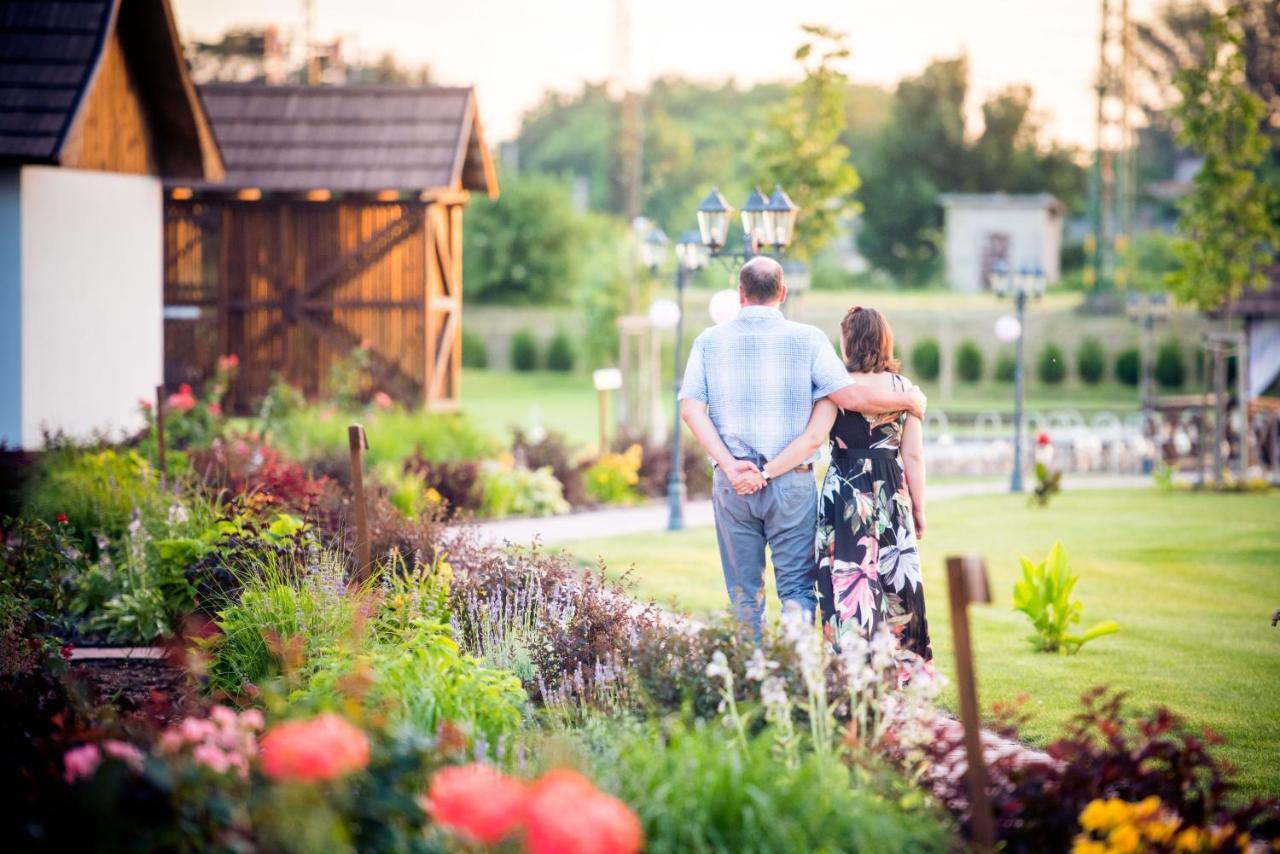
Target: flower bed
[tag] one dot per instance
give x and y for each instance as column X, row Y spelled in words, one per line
column 458, row 697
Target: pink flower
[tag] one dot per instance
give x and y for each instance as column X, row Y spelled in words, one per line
column 223, row 716
column 323, row 748
column 382, row 400
column 215, row 409
column 196, row 729
column 568, row 815
column 475, row 801
column 125, row 752
column 171, row 741
column 80, row 762
column 145, row 404
column 1043, row 439
column 251, row 719
column 183, row 400
column 229, row 362
column 212, row 757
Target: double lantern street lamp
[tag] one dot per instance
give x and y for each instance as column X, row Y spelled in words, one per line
column 767, row 223
column 1026, row 283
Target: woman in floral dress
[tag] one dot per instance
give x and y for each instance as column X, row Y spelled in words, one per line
column 871, row 511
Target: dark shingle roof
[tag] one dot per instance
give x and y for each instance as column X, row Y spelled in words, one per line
column 346, row 139
column 48, row 51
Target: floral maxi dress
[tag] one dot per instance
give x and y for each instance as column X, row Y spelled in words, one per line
column 868, row 561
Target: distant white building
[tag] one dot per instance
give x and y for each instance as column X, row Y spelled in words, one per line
column 986, row 229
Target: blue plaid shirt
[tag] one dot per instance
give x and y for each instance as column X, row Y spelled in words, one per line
column 759, row 376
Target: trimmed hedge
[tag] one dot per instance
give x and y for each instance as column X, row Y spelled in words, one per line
column 1128, row 366
column 561, row 355
column 475, row 353
column 926, row 359
column 524, row 351
column 969, row 361
column 1051, row 366
column 1091, row 360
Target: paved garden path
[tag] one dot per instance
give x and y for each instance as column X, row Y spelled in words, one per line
column 652, row 518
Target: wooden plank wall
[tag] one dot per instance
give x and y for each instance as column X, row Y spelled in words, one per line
column 260, row 273
column 112, row 133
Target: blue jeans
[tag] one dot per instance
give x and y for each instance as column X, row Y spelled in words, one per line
column 783, row 516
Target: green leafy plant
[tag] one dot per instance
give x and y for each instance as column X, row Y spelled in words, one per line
column 513, row 490
column 1044, row 595
column 926, row 359
column 615, row 477
column 524, row 351
column 561, row 354
column 1051, row 366
column 1006, row 365
column 475, row 353
column 1171, row 366
column 1128, row 368
column 1091, row 360
column 969, row 361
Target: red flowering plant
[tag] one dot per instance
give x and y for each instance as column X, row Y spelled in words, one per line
column 560, row 813
column 1048, row 475
column 193, row 421
column 243, row 465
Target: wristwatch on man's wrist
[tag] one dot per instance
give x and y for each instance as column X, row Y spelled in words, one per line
column 765, row 475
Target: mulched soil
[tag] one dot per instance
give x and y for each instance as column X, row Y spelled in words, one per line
column 156, row 689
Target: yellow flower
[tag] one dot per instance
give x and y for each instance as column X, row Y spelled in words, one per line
column 445, row 570
column 1161, row 830
column 1188, row 840
column 1125, row 839
column 433, row 495
column 506, row 461
column 1146, row 808
column 1084, row 845
column 1095, row 816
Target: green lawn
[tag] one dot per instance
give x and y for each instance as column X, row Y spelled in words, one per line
column 1192, row 580
column 500, row 400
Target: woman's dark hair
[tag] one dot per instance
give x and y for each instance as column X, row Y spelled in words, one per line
column 868, row 341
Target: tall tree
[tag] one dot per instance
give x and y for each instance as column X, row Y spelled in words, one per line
column 1229, row 238
column 920, row 153
column 800, row 146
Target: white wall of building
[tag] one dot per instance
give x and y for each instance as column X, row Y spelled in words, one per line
column 1028, row 227
column 92, row 300
column 10, row 308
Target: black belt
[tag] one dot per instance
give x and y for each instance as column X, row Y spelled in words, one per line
column 864, row 453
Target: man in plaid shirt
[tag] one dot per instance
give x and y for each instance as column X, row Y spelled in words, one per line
column 749, row 388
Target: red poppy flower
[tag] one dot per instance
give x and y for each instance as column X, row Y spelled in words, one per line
column 62, row 518
column 323, row 748
column 1043, row 439
column 476, row 802
column 568, row 815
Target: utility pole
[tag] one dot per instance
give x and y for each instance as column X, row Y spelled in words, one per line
column 1112, row 182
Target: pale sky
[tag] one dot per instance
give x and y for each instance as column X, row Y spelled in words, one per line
column 514, row 50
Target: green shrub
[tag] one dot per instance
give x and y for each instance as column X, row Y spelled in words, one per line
column 1044, row 595
column 1006, row 366
column 1091, row 361
column 1051, row 367
column 475, row 353
column 926, row 359
column 969, row 361
column 694, row 792
column 97, row 492
column 1128, row 366
column 1171, row 365
column 511, row 490
column 615, row 478
column 561, row 354
column 524, row 351
column 349, row 380
column 314, row 434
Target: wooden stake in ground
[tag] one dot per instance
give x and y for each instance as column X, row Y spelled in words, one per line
column 967, row 582
column 359, row 443
column 161, row 463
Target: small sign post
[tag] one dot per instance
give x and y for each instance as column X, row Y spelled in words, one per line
column 161, row 463
column 359, row 443
column 967, row 582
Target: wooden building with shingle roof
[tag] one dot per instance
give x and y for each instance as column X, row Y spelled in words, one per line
column 338, row 225
column 96, row 108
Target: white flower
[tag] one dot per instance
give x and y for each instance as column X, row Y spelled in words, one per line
column 178, row 514
column 718, row 667
column 773, row 693
column 758, row 667
column 883, row 648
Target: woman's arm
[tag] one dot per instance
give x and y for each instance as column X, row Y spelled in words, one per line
column 815, row 433
column 858, row 397
column 913, row 465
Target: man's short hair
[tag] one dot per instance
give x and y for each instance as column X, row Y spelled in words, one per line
column 761, row 280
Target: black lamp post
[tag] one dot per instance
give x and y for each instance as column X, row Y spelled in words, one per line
column 766, row 222
column 1027, row 282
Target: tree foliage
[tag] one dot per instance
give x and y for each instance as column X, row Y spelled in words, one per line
column 523, row 247
column 800, row 145
column 1228, row 235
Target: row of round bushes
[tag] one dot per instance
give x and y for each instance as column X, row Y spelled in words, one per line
column 1050, row 364
column 525, row 354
